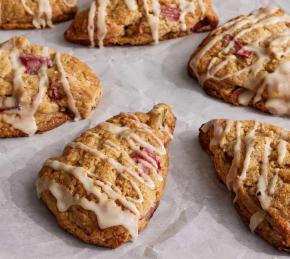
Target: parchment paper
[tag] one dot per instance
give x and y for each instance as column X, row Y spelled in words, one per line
column 196, row 218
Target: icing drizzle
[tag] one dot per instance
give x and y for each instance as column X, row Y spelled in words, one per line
column 24, row 119
column 258, row 84
column 264, row 198
column 257, row 219
column 43, row 17
column 66, row 86
column 72, row 4
column 22, row 114
column 265, row 187
column 108, row 212
column 153, row 13
column 153, row 19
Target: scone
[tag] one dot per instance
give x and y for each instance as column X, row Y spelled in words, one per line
column 109, row 181
column 40, row 89
column 247, row 61
column 27, row 14
column 252, row 159
column 139, row 22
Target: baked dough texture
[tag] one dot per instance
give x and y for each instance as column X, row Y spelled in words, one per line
column 41, row 89
column 139, row 22
column 247, row 61
column 253, row 160
column 28, row 14
column 109, row 181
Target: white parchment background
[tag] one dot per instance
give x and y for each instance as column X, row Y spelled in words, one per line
column 196, row 218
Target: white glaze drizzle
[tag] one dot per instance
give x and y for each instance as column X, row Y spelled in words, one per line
column 86, row 178
column 138, row 174
column 273, row 183
column 185, row 8
column 109, row 214
column 275, row 84
column 24, row 119
column 233, row 26
column 263, row 55
column 282, row 151
column 132, row 5
column 92, row 184
column 43, row 17
column 132, row 137
column 245, row 97
column 91, row 23
column 66, row 86
column 202, row 6
column 72, row 4
column 27, row 8
column 264, row 198
column 229, row 124
column 278, row 82
column 249, row 140
column 101, row 13
column 217, row 134
column 160, row 126
column 205, row 127
column 256, row 219
column 101, row 25
column 153, row 19
column 231, row 178
column 265, row 188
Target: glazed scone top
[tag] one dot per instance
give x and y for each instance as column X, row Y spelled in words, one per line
column 41, row 11
column 256, row 161
column 252, row 52
column 120, row 165
column 180, row 13
column 35, row 79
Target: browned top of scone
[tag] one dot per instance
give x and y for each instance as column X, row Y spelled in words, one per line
column 138, row 22
column 126, row 154
column 250, row 54
column 253, row 160
column 26, row 14
column 41, row 88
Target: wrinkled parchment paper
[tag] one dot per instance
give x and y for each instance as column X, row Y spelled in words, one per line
column 196, row 218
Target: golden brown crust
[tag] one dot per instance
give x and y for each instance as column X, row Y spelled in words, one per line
column 83, row 223
column 14, row 16
column 265, row 229
column 54, row 108
column 227, row 62
column 125, row 27
column 44, row 123
column 274, row 228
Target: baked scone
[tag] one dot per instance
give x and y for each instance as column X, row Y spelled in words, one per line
column 253, row 160
column 139, row 22
column 40, row 89
column 109, row 181
column 27, row 14
column 247, row 61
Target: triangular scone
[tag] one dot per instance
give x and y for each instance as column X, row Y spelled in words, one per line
column 27, row 14
column 109, row 181
column 40, row 89
column 247, row 61
column 139, row 22
column 253, row 160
